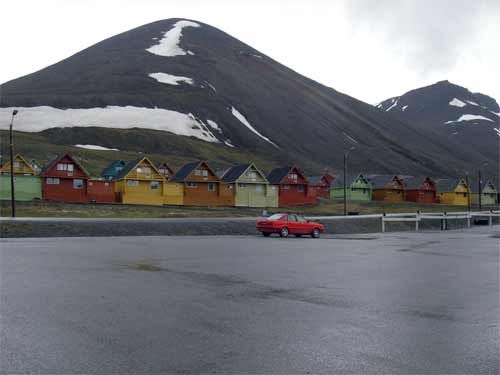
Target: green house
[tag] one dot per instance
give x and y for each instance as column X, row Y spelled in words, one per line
column 250, row 187
column 489, row 193
column 27, row 184
column 357, row 189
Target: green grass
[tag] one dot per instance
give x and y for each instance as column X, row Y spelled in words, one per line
column 326, row 207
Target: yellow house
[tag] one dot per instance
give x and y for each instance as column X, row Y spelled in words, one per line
column 452, row 192
column 140, row 182
column 173, row 192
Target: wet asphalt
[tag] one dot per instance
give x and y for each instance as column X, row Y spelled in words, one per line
column 379, row 303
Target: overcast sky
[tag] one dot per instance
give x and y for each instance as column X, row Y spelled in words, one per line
column 370, row 49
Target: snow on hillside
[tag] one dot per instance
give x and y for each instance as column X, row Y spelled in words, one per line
column 96, row 147
column 169, row 45
column 245, row 122
column 457, row 103
column 170, row 79
column 35, row 119
column 469, row 118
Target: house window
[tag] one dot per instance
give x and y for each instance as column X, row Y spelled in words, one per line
column 192, row 185
column 65, row 167
column 229, row 186
column 293, row 176
column 154, row 185
column 91, row 183
column 286, row 187
column 77, row 183
column 144, row 170
column 242, row 186
column 211, row 187
column 106, row 184
column 164, row 171
column 132, row 183
column 300, row 187
column 258, row 187
column 252, row 175
column 18, row 165
column 52, row 181
column 201, row 172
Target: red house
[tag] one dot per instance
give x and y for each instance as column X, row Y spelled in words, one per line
column 64, row 179
column 294, row 189
column 420, row 190
column 101, row 191
column 321, row 184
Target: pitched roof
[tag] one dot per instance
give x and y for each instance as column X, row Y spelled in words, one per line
column 57, row 159
column 379, row 181
column 187, row 169
column 131, row 165
column 233, row 173
column 474, row 185
column 313, row 180
column 7, row 165
column 278, row 174
column 447, row 184
column 110, row 169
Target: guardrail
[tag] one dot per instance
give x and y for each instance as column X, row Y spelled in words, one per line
column 418, row 216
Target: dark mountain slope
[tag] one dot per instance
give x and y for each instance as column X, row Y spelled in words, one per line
column 259, row 106
column 470, row 119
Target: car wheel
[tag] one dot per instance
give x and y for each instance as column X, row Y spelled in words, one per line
column 284, row 232
column 266, row 234
column 315, row 233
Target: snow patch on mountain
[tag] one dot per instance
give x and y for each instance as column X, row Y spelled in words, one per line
column 214, row 125
column 457, row 103
column 245, row 122
column 472, row 103
column 394, row 102
column 96, row 147
column 169, row 45
column 170, row 79
column 469, row 118
column 35, row 119
column 497, row 130
column 404, row 108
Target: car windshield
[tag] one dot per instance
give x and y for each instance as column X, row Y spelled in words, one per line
column 275, row 217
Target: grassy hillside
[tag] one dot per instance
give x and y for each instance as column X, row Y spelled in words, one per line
column 158, row 145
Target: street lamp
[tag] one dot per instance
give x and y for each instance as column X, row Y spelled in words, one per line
column 346, row 153
column 11, row 149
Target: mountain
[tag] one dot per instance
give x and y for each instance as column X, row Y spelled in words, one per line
column 188, row 79
column 471, row 119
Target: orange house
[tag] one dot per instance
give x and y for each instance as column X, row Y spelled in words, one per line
column 202, row 187
column 387, row 188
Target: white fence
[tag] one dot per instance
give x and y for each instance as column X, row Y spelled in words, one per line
column 417, row 217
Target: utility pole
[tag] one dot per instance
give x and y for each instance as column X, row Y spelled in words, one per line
column 468, row 191
column 345, row 189
column 11, row 150
column 479, row 183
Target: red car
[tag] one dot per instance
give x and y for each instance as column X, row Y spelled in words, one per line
column 286, row 224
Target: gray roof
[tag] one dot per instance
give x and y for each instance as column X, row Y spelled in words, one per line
column 278, row 174
column 235, row 172
column 185, row 171
column 446, row 184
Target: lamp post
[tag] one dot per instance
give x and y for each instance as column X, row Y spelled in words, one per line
column 468, row 191
column 346, row 153
column 479, row 183
column 11, row 150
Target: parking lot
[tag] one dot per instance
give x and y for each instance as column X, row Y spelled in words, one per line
column 390, row 303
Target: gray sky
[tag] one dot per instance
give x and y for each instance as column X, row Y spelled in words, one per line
column 370, row 49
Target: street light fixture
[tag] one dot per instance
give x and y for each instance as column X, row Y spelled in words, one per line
column 346, row 153
column 11, row 150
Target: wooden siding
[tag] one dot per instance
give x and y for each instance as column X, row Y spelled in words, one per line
column 64, row 191
column 26, row 188
column 173, row 193
column 100, row 191
column 131, row 191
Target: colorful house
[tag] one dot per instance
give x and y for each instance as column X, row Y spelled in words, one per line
column 453, row 192
column 113, row 170
column 173, row 192
column 357, row 189
column 249, row 187
column 420, row 190
column 27, row 185
column 201, row 186
column 140, row 182
column 293, row 187
column 322, row 184
column 65, row 180
column 489, row 193
column 387, row 188
column 101, row 191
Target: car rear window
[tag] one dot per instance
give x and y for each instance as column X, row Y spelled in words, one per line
column 275, row 217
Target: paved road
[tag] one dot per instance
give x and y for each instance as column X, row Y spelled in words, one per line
column 393, row 303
